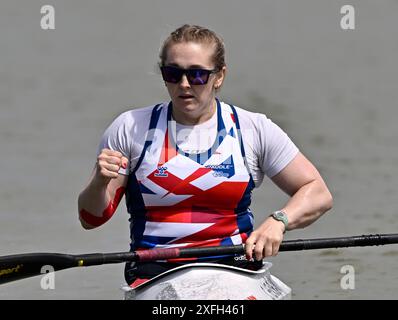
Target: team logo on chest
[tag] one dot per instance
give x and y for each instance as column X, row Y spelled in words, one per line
column 161, row 172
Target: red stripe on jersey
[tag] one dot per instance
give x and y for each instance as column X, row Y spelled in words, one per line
column 183, row 186
column 171, row 181
column 184, row 215
column 223, row 228
column 225, row 195
column 168, row 151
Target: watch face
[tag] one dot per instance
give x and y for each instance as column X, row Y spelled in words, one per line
column 279, row 215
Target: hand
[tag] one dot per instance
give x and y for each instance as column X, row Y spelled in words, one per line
column 265, row 240
column 108, row 164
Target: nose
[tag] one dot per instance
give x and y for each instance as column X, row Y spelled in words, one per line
column 184, row 81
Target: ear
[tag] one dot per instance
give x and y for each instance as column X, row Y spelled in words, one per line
column 220, row 76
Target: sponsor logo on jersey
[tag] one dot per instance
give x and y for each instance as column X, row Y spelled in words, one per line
column 161, row 172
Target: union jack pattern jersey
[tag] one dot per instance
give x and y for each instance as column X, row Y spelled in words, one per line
column 178, row 199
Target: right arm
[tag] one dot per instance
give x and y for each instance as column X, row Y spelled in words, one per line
column 99, row 200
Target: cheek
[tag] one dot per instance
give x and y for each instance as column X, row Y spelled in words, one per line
column 206, row 95
column 171, row 88
column 203, row 93
column 208, row 92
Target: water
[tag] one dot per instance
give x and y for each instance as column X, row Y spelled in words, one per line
column 333, row 91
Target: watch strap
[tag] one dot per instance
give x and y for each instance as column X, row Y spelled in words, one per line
column 281, row 216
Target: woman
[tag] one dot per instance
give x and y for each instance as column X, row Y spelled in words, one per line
column 188, row 167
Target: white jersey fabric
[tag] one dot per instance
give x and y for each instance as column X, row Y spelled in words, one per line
column 268, row 148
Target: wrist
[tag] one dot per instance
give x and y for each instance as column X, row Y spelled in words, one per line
column 282, row 217
column 99, row 182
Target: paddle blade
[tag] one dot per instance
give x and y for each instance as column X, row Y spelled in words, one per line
column 19, row 266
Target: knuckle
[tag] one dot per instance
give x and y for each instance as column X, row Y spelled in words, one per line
column 106, row 152
column 271, row 239
column 109, row 152
column 277, row 238
column 253, row 236
column 268, row 250
column 117, row 154
column 258, row 250
column 250, row 245
column 114, row 160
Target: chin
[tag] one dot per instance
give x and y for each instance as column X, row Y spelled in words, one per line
column 186, row 106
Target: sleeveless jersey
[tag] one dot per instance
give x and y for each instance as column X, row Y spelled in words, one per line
column 185, row 200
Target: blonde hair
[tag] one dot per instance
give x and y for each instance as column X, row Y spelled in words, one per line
column 193, row 33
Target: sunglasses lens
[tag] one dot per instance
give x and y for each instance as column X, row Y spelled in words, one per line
column 198, row 76
column 171, row 74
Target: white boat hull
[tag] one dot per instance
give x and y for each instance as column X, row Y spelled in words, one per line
column 210, row 281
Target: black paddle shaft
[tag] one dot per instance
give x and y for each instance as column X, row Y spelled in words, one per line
column 342, row 242
column 19, row 266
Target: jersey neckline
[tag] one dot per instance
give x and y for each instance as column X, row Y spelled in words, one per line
column 221, row 132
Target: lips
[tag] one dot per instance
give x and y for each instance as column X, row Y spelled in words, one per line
column 186, row 96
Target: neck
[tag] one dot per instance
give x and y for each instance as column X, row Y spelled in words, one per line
column 191, row 118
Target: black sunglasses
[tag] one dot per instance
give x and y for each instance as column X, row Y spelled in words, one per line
column 195, row 76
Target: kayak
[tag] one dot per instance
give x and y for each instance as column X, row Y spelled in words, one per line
column 211, row 281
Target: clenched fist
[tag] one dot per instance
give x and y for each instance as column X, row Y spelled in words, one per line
column 108, row 164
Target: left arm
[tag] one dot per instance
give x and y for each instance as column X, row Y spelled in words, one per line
column 310, row 198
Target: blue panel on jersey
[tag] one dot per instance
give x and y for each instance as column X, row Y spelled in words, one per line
column 145, row 189
column 245, row 201
column 156, row 240
column 231, row 133
column 144, row 244
column 136, row 208
column 226, row 242
column 245, row 221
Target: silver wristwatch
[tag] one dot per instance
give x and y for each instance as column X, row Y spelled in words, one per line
column 281, row 216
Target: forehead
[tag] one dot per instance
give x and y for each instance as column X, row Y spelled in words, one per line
column 188, row 54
